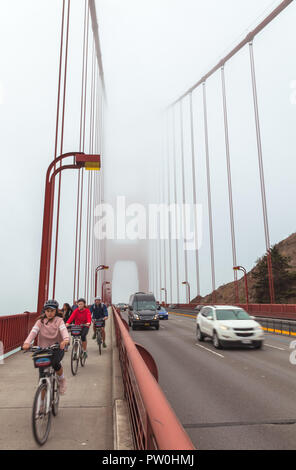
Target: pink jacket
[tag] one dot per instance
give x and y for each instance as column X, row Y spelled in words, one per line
column 48, row 333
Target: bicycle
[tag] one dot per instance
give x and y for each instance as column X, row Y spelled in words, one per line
column 47, row 396
column 99, row 324
column 77, row 351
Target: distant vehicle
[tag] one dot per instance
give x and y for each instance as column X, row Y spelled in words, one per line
column 142, row 311
column 122, row 307
column 172, row 306
column 228, row 325
column 162, row 313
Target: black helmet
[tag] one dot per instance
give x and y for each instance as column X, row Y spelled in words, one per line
column 51, row 304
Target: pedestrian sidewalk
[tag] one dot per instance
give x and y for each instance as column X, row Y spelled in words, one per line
column 85, row 418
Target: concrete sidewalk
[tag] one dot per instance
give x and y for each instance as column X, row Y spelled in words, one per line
column 85, row 419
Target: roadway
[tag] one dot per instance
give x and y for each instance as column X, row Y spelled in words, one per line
column 225, row 399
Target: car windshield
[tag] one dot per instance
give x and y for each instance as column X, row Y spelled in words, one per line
column 146, row 305
column 235, row 314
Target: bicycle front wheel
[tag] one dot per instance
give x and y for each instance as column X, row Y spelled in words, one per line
column 82, row 358
column 99, row 341
column 41, row 418
column 55, row 395
column 75, row 358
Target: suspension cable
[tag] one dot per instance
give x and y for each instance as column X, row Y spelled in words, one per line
column 229, row 178
column 209, row 192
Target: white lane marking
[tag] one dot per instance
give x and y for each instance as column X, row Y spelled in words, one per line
column 275, row 347
column 213, row 352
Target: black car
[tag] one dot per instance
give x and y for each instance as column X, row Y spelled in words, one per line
column 142, row 311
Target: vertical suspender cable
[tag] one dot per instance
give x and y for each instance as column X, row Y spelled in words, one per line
column 57, row 125
column 75, row 289
column 194, row 196
column 169, row 203
column 83, row 146
column 230, row 194
column 261, row 172
column 165, row 227
column 61, row 151
column 183, row 190
column 176, row 210
column 209, row 192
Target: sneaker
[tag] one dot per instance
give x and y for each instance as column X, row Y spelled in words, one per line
column 63, row 386
column 94, row 336
column 104, row 345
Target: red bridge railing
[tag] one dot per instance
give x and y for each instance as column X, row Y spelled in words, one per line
column 285, row 311
column 154, row 423
column 14, row 329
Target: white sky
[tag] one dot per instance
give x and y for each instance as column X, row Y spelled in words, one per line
column 152, row 52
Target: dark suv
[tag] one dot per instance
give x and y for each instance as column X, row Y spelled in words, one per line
column 142, row 311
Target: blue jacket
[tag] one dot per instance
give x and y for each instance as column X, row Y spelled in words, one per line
column 98, row 311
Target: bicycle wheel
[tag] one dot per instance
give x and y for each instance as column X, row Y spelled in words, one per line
column 82, row 358
column 99, row 341
column 75, row 358
column 55, row 395
column 41, row 419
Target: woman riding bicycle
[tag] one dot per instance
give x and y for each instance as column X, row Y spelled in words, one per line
column 81, row 316
column 51, row 329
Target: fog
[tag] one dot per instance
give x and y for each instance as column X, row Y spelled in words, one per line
column 152, row 52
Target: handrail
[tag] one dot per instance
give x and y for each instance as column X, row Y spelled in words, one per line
column 14, row 329
column 287, row 311
column 154, row 423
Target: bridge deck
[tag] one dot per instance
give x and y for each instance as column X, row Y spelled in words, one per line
column 85, row 419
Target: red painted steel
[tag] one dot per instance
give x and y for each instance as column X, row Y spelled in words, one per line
column 47, row 225
column 14, row 329
column 285, row 311
column 154, row 423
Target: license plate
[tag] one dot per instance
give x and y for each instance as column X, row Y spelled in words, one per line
column 246, row 341
column 147, row 324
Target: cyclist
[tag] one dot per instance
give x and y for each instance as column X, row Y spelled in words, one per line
column 81, row 316
column 51, row 329
column 99, row 312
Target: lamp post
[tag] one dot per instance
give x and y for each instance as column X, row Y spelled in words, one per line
column 99, row 268
column 241, row 268
column 81, row 160
column 166, row 294
column 103, row 284
column 186, row 283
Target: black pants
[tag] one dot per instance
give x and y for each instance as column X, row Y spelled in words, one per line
column 56, row 359
column 84, row 333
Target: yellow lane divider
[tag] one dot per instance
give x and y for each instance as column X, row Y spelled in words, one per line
column 182, row 314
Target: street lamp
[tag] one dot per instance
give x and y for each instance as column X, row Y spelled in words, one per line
column 186, row 283
column 166, row 294
column 241, row 268
column 99, row 268
column 81, row 160
column 103, row 284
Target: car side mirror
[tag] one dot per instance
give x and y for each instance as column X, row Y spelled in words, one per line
column 210, row 318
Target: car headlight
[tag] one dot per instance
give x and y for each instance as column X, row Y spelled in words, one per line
column 136, row 316
column 156, row 317
column 259, row 328
column 224, row 327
